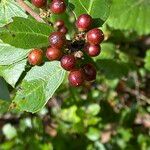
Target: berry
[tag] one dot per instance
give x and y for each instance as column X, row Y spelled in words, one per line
column 39, row 3
column 63, row 30
column 89, row 72
column 92, row 50
column 76, row 78
column 68, row 62
column 35, row 57
column 95, row 36
column 53, row 53
column 84, row 22
column 58, row 24
column 57, row 39
column 58, row 6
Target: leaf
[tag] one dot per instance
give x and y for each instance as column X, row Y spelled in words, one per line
column 98, row 9
column 9, row 131
column 93, row 109
column 130, row 15
column 147, row 60
column 4, row 93
column 12, row 73
column 70, row 114
column 107, row 51
column 4, row 106
column 125, row 133
column 26, row 33
column 93, row 134
column 112, row 69
column 10, row 54
column 39, row 86
column 9, row 9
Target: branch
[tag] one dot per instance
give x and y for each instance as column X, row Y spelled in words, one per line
column 29, row 10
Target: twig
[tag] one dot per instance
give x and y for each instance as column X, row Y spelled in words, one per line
column 29, row 10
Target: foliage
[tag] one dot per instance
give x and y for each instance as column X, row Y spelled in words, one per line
column 39, row 110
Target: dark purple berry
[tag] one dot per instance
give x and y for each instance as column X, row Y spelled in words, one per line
column 53, row 53
column 84, row 22
column 76, row 78
column 63, row 30
column 58, row 6
column 92, row 50
column 68, row 62
column 58, row 24
column 95, row 36
column 57, row 39
column 89, row 72
column 39, row 3
column 35, row 57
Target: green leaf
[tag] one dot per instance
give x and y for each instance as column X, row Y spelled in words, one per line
column 4, row 93
column 39, row 86
column 9, row 9
column 10, row 54
column 9, row 131
column 130, row 15
column 93, row 134
column 91, row 121
column 98, row 9
column 4, row 106
column 93, row 109
column 113, row 69
column 125, row 133
column 26, row 33
column 70, row 114
column 107, row 51
column 147, row 60
column 12, row 73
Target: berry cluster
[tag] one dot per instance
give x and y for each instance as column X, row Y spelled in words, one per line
column 71, row 53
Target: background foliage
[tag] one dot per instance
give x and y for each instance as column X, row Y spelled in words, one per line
column 111, row 113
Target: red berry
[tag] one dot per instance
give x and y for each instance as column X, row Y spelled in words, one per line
column 53, row 53
column 89, row 72
column 76, row 78
column 58, row 6
column 95, row 36
column 84, row 22
column 35, row 57
column 39, row 3
column 92, row 50
column 58, row 24
column 68, row 62
column 63, row 30
column 57, row 39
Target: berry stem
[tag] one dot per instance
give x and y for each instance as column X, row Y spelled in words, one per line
column 29, row 10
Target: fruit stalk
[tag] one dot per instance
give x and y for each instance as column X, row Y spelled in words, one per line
column 29, row 10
